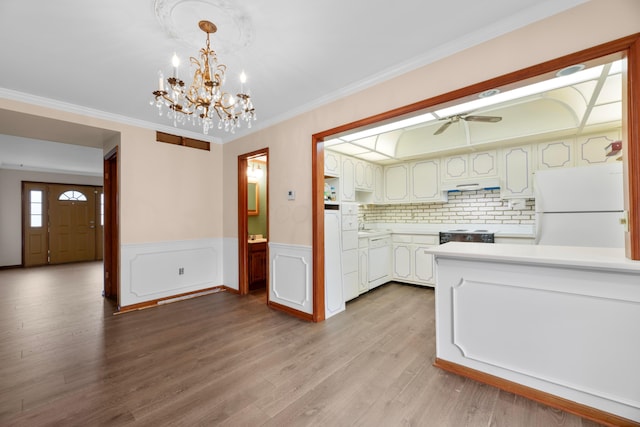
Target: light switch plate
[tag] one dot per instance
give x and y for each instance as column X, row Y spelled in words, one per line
column 291, row 195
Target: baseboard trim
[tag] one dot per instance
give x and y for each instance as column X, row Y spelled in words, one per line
column 10, row 267
column 548, row 399
column 292, row 311
column 170, row 299
column 231, row 290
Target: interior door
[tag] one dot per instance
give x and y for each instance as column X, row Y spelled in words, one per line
column 72, row 223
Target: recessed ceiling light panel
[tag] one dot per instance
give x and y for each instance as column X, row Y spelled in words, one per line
column 488, row 93
column 570, row 70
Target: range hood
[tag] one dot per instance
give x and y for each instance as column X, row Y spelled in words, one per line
column 471, row 184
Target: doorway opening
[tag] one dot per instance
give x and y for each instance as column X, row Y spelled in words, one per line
column 627, row 48
column 62, row 223
column 111, row 227
column 253, row 222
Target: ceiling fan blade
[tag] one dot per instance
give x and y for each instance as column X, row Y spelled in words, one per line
column 486, row 119
column 443, row 128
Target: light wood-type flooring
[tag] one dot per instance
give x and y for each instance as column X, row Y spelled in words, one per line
column 222, row 359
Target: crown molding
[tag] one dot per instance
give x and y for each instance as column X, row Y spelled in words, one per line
column 103, row 115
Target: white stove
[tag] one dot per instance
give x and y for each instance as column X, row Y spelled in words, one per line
column 465, row 235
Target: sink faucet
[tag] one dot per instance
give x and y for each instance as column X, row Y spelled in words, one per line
column 361, row 226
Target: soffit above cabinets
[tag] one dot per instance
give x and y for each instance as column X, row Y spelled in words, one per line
column 587, row 101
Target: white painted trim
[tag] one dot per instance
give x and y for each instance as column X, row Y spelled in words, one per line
column 150, row 271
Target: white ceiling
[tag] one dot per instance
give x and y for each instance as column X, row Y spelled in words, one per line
column 102, row 58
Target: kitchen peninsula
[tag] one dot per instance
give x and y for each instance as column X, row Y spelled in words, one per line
column 560, row 320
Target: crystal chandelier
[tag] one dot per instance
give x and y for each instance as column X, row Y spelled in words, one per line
column 204, row 101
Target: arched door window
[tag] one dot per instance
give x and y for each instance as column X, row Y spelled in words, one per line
column 73, row 195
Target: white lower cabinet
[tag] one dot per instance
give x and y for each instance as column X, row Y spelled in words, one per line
column 349, row 250
column 350, row 274
column 423, row 265
column 350, row 285
column 411, row 262
column 333, row 288
column 401, row 270
column 363, row 265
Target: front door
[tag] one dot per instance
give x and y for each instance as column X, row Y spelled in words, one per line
column 72, row 223
column 62, row 223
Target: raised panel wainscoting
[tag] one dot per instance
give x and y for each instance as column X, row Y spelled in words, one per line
column 153, row 271
column 291, row 284
column 563, row 331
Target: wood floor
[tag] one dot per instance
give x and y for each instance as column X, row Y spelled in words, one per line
column 222, row 359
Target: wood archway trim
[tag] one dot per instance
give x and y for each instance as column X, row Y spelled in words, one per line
column 243, row 244
column 628, row 47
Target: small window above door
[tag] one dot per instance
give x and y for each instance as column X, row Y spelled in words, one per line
column 73, row 195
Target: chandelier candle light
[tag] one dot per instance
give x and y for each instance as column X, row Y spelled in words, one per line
column 204, row 100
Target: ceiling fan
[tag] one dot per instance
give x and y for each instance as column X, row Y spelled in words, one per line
column 458, row 117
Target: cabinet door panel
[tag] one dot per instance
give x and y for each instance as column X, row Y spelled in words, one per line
column 591, row 150
column 483, row 165
column 557, row 154
column 378, row 184
column 425, row 185
column 517, row 180
column 368, row 176
column 359, row 174
column 363, row 269
column 347, row 180
column 396, row 183
column 455, row 167
column 423, row 265
column 331, row 163
column 401, row 262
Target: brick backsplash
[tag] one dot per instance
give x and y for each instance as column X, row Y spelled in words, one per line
column 478, row 207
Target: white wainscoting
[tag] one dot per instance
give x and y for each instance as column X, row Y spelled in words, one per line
column 291, row 276
column 150, row 271
column 572, row 333
column 231, row 275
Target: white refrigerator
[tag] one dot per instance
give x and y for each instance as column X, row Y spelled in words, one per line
column 580, row 206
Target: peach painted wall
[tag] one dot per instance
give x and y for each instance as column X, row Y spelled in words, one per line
column 584, row 26
column 167, row 192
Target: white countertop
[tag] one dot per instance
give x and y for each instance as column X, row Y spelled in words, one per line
column 500, row 230
column 567, row 256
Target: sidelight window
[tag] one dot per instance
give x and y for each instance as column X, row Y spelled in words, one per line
column 35, row 208
column 73, row 195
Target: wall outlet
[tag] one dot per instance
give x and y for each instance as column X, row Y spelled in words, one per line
column 180, row 271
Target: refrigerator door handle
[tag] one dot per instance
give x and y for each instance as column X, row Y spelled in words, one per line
column 538, row 229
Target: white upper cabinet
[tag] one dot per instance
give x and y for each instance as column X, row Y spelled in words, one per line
column 347, row 180
column 378, row 184
column 591, row 150
column 331, row 163
column 396, row 183
column 474, row 165
column 517, row 179
column 364, row 180
column 455, row 167
column 556, row 154
column 425, row 181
